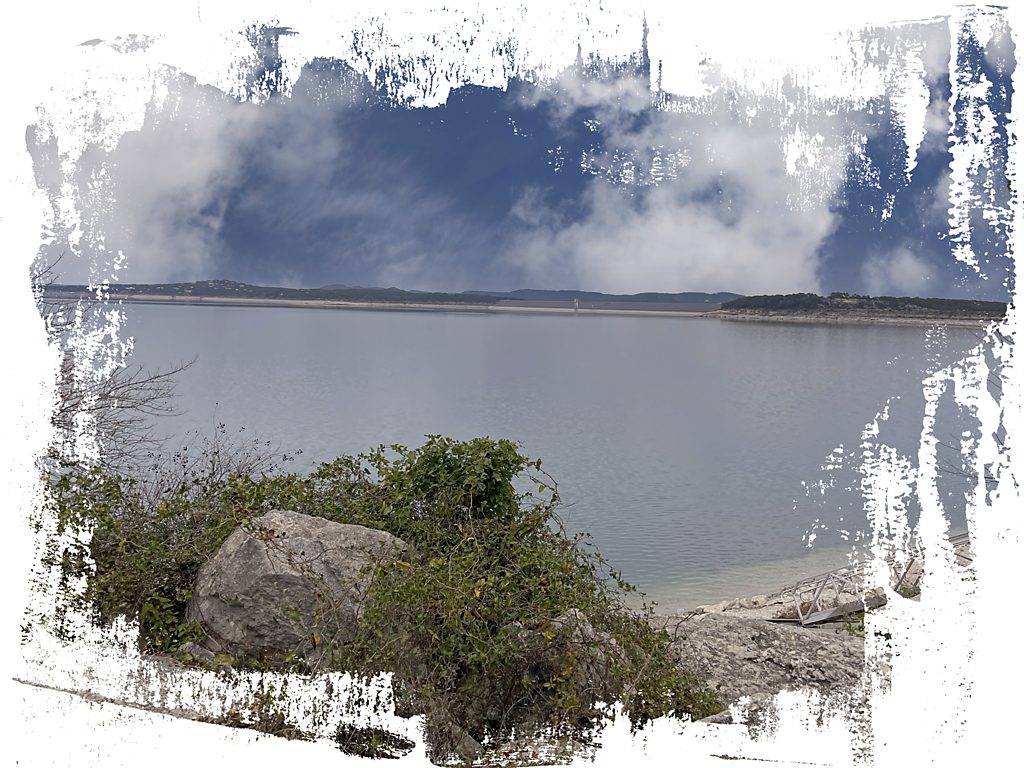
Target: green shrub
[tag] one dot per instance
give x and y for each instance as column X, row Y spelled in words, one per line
column 790, row 301
column 371, row 742
column 498, row 620
column 842, row 302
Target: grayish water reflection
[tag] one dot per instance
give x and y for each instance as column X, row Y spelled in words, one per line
column 681, row 445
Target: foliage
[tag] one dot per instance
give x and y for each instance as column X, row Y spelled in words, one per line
column 266, row 717
column 801, row 301
column 498, row 620
column 371, row 742
column 99, row 393
column 216, row 289
column 853, row 623
column 846, row 302
column 152, row 532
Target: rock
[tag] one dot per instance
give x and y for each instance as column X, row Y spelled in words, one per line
column 742, row 656
column 568, row 648
column 875, row 598
column 758, row 601
column 716, row 608
column 465, row 746
column 574, row 626
column 288, row 585
column 593, row 652
column 196, row 652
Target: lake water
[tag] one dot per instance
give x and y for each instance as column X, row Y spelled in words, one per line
column 692, row 450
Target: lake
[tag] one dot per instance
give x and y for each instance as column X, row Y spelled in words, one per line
column 692, row 450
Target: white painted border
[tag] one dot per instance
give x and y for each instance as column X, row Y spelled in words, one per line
column 771, row 38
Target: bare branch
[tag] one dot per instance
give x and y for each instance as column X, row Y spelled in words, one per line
column 122, row 406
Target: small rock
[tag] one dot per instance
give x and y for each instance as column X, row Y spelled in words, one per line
column 466, row 747
column 198, row 653
column 753, row 602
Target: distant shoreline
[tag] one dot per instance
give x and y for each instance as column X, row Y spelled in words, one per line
column 853, row 319
column 386, row 306
column 521, row 308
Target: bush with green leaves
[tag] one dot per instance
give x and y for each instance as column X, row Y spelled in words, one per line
column 498, row 619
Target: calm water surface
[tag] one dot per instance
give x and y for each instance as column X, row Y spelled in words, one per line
column 690, row 449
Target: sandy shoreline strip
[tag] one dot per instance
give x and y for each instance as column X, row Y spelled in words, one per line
column 526, row 309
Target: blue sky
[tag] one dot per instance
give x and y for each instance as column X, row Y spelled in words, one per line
column 597, row 180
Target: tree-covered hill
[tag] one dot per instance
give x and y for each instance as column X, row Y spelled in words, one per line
column 837, row 304
column 221, row 289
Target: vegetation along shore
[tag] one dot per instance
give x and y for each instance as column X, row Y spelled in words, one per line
column 797, row 307
column 426, row 563
column 852, row 308
column 505, row 632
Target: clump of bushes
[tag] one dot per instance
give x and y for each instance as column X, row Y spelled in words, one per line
column 499, row 620
column 789, row 301
column 844, row 302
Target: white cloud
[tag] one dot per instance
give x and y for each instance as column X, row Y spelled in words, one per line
column 1000, row 49
column 158, row 195
column 733, row 215
column 935, row 48
column 938, row 210
column 899, row 273
column 165, row 190
column 936, row 127
column 611, row 98
column 669, row 245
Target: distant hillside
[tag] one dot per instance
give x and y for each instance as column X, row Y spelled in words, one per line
column 535, row 294
column 851, row 304
column 231, row 289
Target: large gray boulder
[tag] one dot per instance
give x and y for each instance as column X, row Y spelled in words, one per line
column 288, row 585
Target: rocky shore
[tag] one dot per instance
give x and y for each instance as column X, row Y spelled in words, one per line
column 745, row 648
column 286, row 585
column 754, row 647
column 853, row 318
column 745, row 652
column 744, row 656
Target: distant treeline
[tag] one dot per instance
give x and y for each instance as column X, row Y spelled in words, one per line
column 851, row 302
column 801, row 301
column 230, row 289
column 686, row 297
